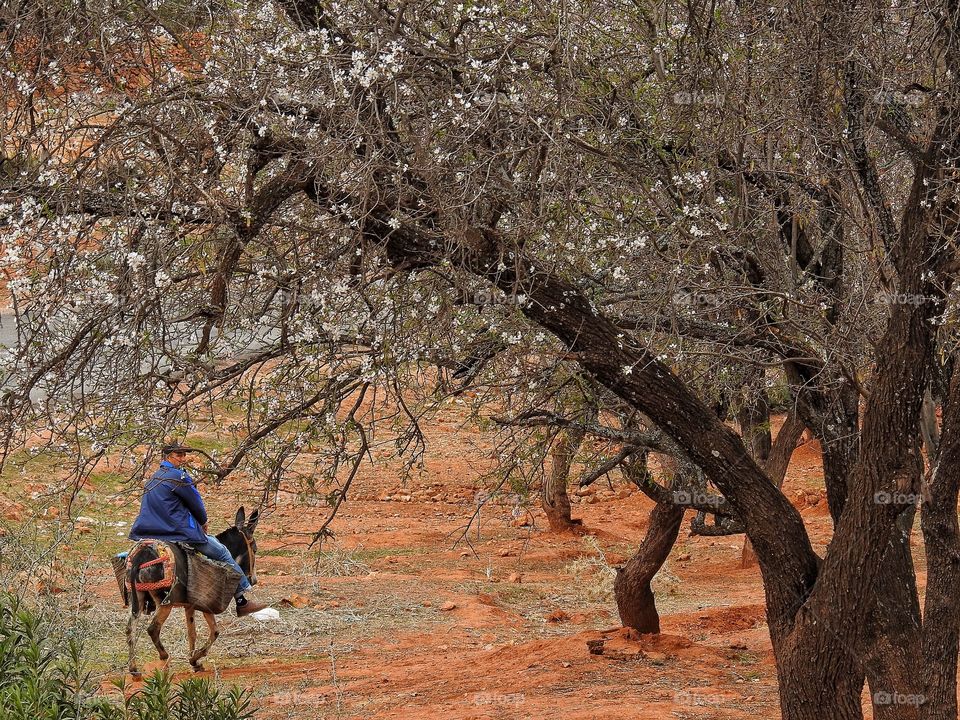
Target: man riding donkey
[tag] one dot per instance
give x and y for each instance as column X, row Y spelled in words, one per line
column 172, row 510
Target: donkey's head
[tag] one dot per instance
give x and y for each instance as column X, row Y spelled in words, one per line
column 239, row 541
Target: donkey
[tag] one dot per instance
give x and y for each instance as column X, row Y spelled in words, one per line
column 238, row 540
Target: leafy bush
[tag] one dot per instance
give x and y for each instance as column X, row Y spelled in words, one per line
column 193, row 699
column 43, row 676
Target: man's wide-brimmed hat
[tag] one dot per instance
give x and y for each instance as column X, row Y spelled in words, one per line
column 176, row 447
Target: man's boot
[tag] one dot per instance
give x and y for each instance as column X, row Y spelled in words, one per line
column 247, row 607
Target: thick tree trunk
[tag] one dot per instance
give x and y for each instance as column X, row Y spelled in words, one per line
column 820, row 678
column 892, row 655
column 636, row 603
column 852, row 571
column 891, row 641
column 941, row 536
column 635, row 600
column 555, row 501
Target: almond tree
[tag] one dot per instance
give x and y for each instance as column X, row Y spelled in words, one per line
column 301, row 193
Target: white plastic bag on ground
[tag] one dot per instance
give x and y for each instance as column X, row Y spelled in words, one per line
column 265, row 614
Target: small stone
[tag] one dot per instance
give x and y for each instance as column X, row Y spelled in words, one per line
column 683, row 557
column 565, row 664
column 295, row 601
column 557, row 616
column 448, row 606
column 514, row 577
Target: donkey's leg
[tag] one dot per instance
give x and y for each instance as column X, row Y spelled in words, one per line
column 154, row 628
column 191, row 630
column 199, row 654
column 131, row 645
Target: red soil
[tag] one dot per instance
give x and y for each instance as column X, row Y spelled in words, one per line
column 382, row 640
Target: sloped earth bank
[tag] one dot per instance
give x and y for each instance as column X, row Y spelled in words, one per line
column 406, row 614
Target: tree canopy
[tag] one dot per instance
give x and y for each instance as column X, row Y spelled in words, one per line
column 285, row 206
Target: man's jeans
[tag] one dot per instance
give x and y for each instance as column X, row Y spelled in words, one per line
column 216, row 550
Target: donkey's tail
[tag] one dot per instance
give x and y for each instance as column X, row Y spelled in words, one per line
column 133, row 570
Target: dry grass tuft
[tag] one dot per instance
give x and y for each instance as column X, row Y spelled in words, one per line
column 593, row 576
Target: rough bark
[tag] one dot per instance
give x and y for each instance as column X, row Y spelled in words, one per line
column 941, row 536
column 635, row 599
column 892, row 652
column 891, row 639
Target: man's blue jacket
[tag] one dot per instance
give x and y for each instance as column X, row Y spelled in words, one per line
column 171, row 508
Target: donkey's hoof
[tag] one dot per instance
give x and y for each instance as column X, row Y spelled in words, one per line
column 198, row 667
column 136, row 674
column 164, row 655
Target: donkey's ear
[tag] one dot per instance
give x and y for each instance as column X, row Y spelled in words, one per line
column 252, row 522
column 241, row 516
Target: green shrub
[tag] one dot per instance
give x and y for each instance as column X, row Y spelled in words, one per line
column 43, row 676
column 193, row 699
